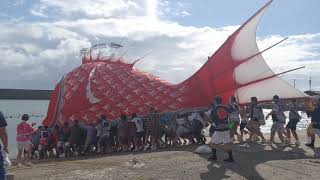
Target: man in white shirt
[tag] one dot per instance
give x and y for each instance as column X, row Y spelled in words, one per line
column 279, row 119
column 103, row 134
column 139, row 132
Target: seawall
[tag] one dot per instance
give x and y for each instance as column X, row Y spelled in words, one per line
column 25, row 94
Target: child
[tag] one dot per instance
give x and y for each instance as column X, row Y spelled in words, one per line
column 35, row 140
column 44, row 142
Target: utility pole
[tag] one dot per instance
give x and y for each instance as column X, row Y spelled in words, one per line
column 310, row 83
column 294, row 83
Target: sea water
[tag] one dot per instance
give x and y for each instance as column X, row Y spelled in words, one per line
column 14, row 109
column 37, row 109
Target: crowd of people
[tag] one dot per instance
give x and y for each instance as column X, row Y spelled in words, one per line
column 132, row 133
column 228, row 122
column 226, row 118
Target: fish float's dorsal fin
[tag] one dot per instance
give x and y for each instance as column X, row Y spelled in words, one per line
column 104, row 53
column 226, row 71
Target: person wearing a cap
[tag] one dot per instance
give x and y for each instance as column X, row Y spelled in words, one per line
column 221, row 136
column 4, row 139
column 24, row 134
column 314, row 113
column 279, row 120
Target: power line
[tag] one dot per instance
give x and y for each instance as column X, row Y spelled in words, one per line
column 310, row 83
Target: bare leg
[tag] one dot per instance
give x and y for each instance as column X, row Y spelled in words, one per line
column 228, row 149
column 146, row 140
column 288, row 133
column 19, row 156
column 153, row 143
column 28, row 162
column 295, row 135
column 312, row 138
column 262, row 137
column 214, row 151
column 281, row 137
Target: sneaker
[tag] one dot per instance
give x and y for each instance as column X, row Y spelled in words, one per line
column 297, row 143
column 29, row 164
column 255, row 138
column 228, row 160
column 212, row 158
column 310, row 145
column 263, row 141
column 271, row 142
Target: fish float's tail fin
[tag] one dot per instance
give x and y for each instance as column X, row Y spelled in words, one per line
column 238, row 69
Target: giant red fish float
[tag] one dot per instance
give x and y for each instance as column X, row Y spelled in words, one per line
column 110, row 86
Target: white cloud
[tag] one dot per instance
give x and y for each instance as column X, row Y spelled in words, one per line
column 89, row 8
column 183, row 13
column 173, row 8
column 44, row 51
column 297, row 51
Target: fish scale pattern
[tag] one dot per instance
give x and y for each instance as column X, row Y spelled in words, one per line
column 114, row 88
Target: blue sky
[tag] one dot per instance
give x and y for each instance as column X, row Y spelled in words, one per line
column 41, row 39
column 285, row 17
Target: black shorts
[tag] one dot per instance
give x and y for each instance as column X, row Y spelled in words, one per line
column 139, row 135
column 243, row 125
column 292, row 124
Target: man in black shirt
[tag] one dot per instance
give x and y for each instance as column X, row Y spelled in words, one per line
column 221, row 135
column 4, row 139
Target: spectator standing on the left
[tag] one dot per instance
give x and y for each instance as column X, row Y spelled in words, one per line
column 4, row 139
column 25, row 131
